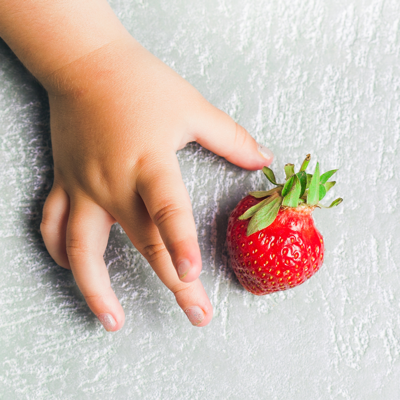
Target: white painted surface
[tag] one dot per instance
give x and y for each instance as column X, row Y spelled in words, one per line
column 302, row 76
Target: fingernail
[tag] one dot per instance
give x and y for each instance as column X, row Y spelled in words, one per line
column 265, row 152
column 107, row 321
column 195, row 315
column 183, row 268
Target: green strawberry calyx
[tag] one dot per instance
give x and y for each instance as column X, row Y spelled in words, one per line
column 299, row 190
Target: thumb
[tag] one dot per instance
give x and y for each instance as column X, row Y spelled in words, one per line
column 220, row 134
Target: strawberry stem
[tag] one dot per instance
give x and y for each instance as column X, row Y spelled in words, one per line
column 300, row 189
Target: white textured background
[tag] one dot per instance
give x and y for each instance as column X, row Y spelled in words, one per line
column 302, row 76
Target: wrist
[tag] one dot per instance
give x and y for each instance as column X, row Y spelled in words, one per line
column 48, row 35
column 102, row 70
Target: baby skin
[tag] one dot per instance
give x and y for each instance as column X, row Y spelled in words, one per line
column 118, row 115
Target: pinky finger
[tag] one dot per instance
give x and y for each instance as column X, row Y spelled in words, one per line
column 54, row 225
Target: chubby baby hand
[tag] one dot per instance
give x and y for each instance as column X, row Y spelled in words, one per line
column 118, row 116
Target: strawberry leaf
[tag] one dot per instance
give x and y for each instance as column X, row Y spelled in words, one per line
column 265, row 216
column 336, row 202
column 303, row 180
column 252, row 210
column 309, row 177
column 325, row 177
column 292, row 198
column 270, row 175
column 263, row 193
column 289, row 170
column 305, row 163
column 322, row 191
column 313, row 194
column 333, row 204
column 329, row 185
column 287, row 186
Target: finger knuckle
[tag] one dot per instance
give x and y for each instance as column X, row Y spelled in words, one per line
column 167, row 212
column 182, row 289
column 154, row 252
column 241, row 137
column 76, row 249
column 92, row 298
column 238, row 142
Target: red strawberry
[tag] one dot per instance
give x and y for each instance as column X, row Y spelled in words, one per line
column 272, row 240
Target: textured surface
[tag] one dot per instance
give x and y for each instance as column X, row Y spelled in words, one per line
column 303, row 76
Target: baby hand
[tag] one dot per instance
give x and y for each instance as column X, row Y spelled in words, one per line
column 118, row 116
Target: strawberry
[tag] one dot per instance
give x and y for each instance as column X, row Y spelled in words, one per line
column 272, row 239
